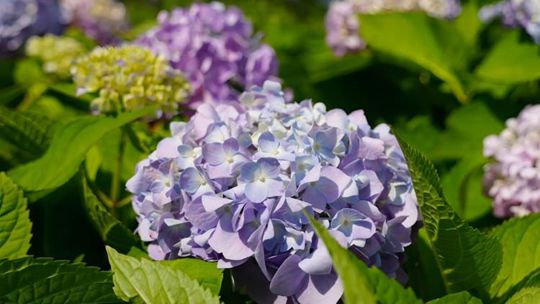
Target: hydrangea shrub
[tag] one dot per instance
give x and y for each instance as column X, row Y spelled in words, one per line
column 20, row 19
column 128, row 78
column 513, row 178
column 101, row 20
column 214, row 47
column 342, row 25
column 232, row 184
column 516, row 13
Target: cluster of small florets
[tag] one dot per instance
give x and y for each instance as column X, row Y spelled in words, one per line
column 101, row 20
column 127, row 78
column 57, row 53
column 214, row 47
column 233, row 183
column 342, row 24
column 514, row 13
column 513, row 178
column 20, row 19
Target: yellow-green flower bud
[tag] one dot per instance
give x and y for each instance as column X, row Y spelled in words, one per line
column 127, row 78
column 57, row 53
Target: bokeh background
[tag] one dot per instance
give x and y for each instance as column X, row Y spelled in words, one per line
column 443, row 85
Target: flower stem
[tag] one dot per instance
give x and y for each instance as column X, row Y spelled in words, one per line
column 117, row 174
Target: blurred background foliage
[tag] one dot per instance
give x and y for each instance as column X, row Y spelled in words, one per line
column 442, row 85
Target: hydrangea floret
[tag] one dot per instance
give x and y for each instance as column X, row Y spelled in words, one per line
column 214, row 47
column 20, row 19
column 513, row 178
column 127, row 78
column 232, row 184
column 516, row 13
column 342, row 25
column 57, row 53
column 101, row 20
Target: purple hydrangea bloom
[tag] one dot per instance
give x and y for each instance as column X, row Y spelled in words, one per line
column 342, row 23
column 20, row 19
column 342, row 29
column 231, row 185
column 513, row 179
column 514, row 13
column 101, row 20
column 214, row 47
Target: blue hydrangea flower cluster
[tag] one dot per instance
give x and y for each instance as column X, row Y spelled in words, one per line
column 342, row 24
column 214, row 47
column 231, row 185
column 20, row 19
column 516, row 13
column 513, row 178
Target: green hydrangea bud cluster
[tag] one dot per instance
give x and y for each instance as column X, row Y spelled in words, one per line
column 127, row 78
column 57, row 53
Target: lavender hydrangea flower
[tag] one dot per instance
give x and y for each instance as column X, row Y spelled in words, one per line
column 513, row 179
column 20, row 19
column 101, row 20
column 514, row 13
column 342, row 23
column 214, row 47
column 231, row 185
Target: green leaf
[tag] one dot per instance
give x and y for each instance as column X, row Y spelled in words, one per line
column 421, row 268
column 467, row 23
column 111, row 230
column 410, row 36
column 43, row 280
column 531, row 282
column 521, row 252
column 25, row 130
column 466, row 128
column 15, row 225
column 361, row 283
column 28, row 72
column 457, row 298
column 511, row 61
column 466, row 258
column 108, row 147
column 206, row 273
column 463, row 188
column 92, row 163
column 154, row 282
column 526, row 296
column 67, row 151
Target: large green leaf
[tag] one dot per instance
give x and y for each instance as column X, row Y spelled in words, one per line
column 361, row 283
column 421, row 268
column 410, row 36
column 462, row 140
column 43, row 280
column 527, row 288
column 26, row 130
column 67, row 151
column 111, row 230
column 526, row 296
column 463, row 188
column 154, row 282
column 15, row 225
column 467, row 258
column 511, row 61
column 465, row 130
column 206, row 273
column 520, row 239
column 457, row 298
